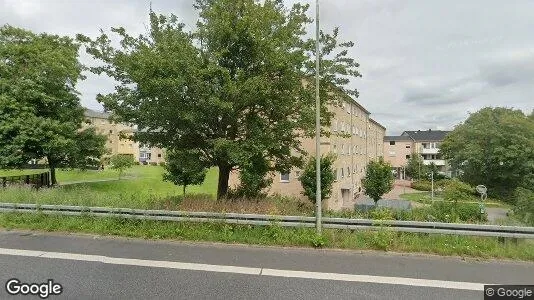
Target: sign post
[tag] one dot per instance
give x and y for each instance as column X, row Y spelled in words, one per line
column 482, row 190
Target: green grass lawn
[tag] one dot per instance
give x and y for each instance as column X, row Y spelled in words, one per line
column 144, row 189
column 426, row 198
column 76, row 175
column 17, row 172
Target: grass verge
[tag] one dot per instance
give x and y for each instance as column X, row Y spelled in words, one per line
column 274, row 235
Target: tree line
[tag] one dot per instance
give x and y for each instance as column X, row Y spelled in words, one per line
column 236, row 92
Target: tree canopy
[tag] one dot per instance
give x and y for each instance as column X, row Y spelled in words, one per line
column 184, row 168
column 328, row 176
column 378, row 179
column 238, row 87
column 40, row 112
column 494, row 147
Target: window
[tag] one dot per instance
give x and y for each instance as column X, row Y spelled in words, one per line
column 408, row 156
column 159, row 155
column 335, row 149
column 348, row 109
column 284, row 177
column 408, row 146
column 348, row 171
column 354, row 169
column 391, row 153
column 392, row 143
column 110, row 131
column 342, row 149
column 342, row 173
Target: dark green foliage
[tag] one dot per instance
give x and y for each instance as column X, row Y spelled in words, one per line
column 378, row 179
column 308, row 177
column 415, row 168
column 121, row 162
column 524, row 207
column 253, row 179
column 40, row 113
column 184, row 168
column 493, row 147
column 232, row 88
column 87, row 149
column 456, row 191
column 421, row 185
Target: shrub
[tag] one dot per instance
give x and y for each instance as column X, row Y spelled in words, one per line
column 162, row 164
column 153, row 163
column 456, row 191
column 524, row 208
column 421, row 185
column 451, row 212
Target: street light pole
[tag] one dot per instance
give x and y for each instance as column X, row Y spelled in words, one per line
column 318, row 204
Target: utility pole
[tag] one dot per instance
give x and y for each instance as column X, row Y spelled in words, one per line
column 432, row 178
column 318, row 204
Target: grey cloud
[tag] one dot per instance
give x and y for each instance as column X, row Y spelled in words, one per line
column 424, row 62
column 514, row 66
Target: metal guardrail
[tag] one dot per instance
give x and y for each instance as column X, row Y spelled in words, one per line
column 285, row 221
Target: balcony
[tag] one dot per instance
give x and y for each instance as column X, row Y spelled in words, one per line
column 429, row 150
column 437, row 162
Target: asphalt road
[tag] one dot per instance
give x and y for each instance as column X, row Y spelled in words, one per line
column 90, row 267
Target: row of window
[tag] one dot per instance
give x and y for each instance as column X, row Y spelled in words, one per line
column 352, row 110
column 347, row 150
column 346, row 128
column 340, row 173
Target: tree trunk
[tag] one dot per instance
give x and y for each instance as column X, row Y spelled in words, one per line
column 184, row 190
column 52, row 166
column 224, row 176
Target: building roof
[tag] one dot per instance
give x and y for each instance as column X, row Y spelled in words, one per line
column 96, row 114
column 426, row 135
column 397, row 138
column 376, row 123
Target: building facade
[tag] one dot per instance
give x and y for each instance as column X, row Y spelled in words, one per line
column 426, row 143
column 355, row 139
column 117, row 138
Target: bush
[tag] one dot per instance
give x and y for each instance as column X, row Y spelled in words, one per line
column 456, row 191
column 153, row 163
column 450, row 212
column 524, row 208
column 421, row 185
column 162, row 164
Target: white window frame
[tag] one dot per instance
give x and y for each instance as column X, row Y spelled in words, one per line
column 285, row 180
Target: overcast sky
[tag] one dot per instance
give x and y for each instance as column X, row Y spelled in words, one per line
column 425, row 63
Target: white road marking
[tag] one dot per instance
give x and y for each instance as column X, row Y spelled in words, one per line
column 248, row 270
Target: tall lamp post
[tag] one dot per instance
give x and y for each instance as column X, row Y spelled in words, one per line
column 318, row 204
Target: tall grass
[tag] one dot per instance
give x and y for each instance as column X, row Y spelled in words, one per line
column 385, row 240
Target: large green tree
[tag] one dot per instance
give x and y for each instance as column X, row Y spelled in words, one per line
column 238, row 88
column 494, row 147
column 40, row 113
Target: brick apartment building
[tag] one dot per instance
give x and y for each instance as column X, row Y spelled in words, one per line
column 355, row 138
column 426, row 143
